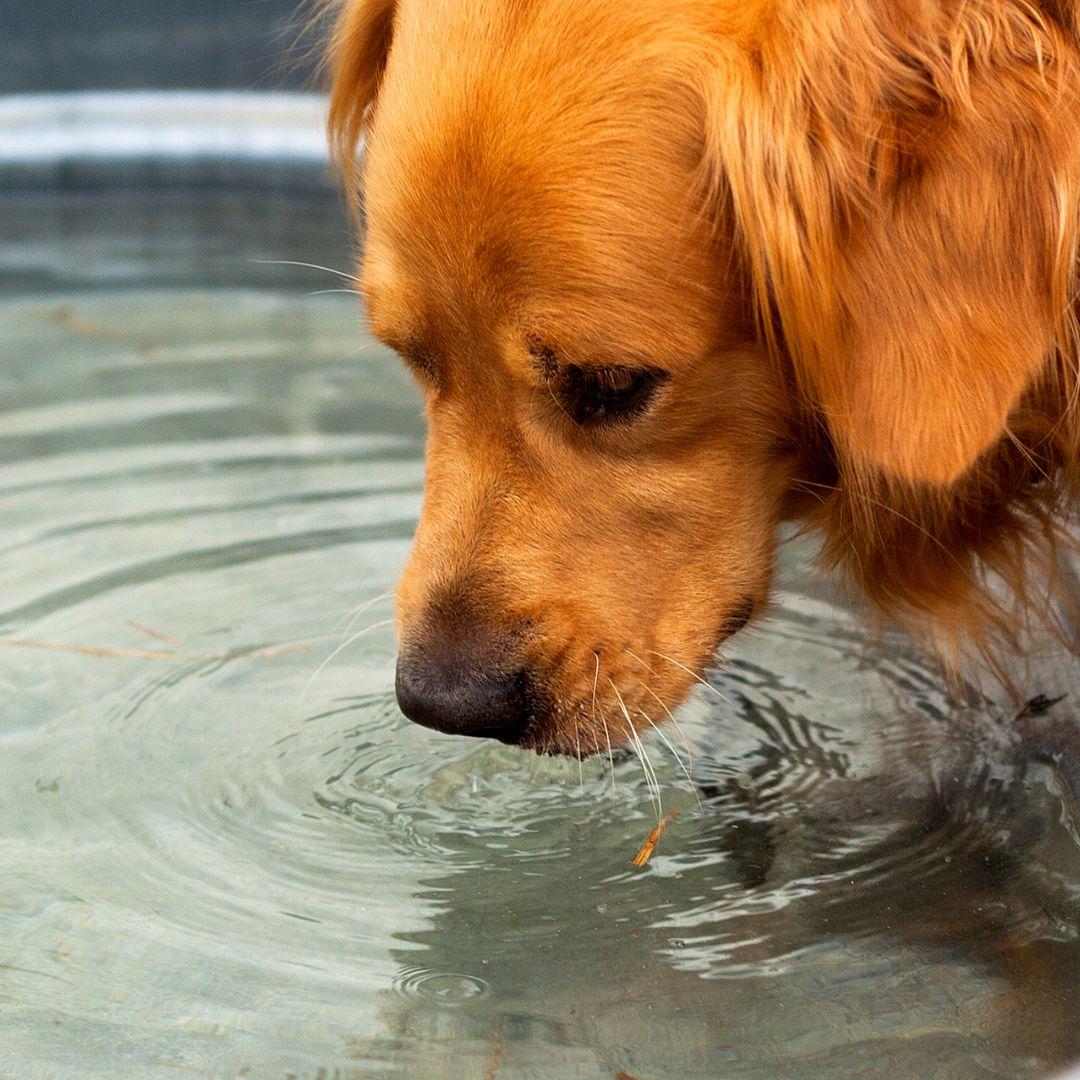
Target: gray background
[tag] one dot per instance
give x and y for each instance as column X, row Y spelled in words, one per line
column 127, row 44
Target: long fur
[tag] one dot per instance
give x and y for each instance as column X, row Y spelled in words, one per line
column 902, row 178
column 906, row 181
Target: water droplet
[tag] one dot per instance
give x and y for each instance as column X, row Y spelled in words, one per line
column 445, row 988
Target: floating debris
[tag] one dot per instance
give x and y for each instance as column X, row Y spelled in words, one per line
column 646, row 853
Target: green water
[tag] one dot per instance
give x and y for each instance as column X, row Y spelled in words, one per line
column 224, row 851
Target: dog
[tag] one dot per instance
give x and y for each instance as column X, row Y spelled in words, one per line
column 672, row 273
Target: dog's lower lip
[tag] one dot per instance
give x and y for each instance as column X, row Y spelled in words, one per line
column 511, row 736
column 525, row 735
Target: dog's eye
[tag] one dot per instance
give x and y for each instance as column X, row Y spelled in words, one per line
column 592, row 397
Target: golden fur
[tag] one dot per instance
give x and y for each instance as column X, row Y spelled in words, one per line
column 845, row 231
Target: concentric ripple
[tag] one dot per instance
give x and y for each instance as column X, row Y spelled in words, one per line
column 445, row 988
column 224, row 848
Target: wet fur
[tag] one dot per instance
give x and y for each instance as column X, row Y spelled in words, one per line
column 849, row 228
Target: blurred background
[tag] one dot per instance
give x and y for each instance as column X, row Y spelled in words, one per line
column 163, row 114
column 133, row 44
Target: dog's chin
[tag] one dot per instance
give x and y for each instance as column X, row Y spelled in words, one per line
column 548, row 734
column 577, row 736
column 555, row 744
column 552, row 734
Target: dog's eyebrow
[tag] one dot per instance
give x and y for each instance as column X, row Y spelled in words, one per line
column 547, row 362
column 550, row 364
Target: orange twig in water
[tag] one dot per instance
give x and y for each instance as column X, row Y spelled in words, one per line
column 647, row 849
column 149, row 631
column 145, row 654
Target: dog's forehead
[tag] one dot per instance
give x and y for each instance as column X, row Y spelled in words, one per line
column 584, row 296
column 484, row 119
column 464, row 227
column 508, row 182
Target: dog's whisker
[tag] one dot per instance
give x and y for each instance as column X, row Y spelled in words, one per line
column 650, row 770
column 367, row 346
column 577, row 749
column 610, row 752
column 663, row 705
column 534, row 771
column 307, row 265
column 674, row 753
column 698, row 678
column 344, row 645
column 603, row 720
column 363, row 606
column 635, row 745
column 646, row 765
column 671, row 717
column 687, row 766
column 539, row 750
column 597, row 749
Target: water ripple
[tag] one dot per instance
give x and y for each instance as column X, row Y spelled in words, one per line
column 218, row 823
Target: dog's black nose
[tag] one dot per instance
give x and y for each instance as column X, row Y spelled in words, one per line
column 462, row 698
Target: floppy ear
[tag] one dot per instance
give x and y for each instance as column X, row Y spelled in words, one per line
column 357, row 57
column 904, row 179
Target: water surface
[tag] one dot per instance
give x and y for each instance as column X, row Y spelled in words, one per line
column 226, row 853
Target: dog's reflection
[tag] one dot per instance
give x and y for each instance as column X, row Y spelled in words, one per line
column 918, row 921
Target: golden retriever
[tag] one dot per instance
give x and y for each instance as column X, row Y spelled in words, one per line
column 670, row 272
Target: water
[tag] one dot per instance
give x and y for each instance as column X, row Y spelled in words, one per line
column 226, row 853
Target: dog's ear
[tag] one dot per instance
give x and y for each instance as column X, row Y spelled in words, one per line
column 358, row 51
column 904, row 183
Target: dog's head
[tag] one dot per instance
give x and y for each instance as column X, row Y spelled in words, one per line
column 667, row 272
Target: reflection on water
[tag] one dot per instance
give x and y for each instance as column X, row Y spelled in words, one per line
column 225, row 850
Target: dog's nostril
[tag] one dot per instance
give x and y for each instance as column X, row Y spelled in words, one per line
column 488, row 704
